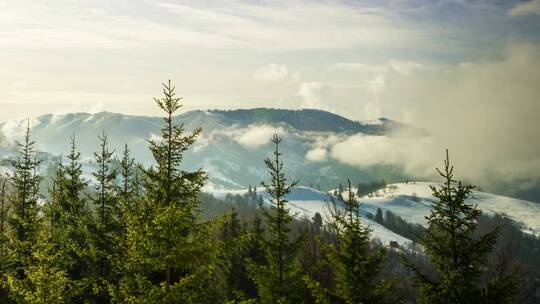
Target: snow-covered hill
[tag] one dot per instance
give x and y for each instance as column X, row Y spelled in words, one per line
column 411, row 201
column 305, row 202
column 233, row 145
column 231, row 148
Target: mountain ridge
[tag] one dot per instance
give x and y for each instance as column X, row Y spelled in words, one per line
column 231, row 148
column 301, row 119
column 255, row 112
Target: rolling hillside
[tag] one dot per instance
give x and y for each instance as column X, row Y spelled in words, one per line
column 412, row 202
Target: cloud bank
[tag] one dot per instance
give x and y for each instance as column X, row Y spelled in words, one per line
column 525, row 8
column 272, row 72
column 485, row 113
column 257, row 135
column 313, row 94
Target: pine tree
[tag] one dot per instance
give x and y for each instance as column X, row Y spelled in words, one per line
column 72, row 247
column 236, row 239
column 279, row 280
column 171, row 255
column 127, row 198
column 311, row 254
column 379, row 216
column 35, row 280
column 45, row 282
column 127, row 189
column 4, row 256
column 24, row 219
column 106, row 219
column 457, row 252
column 4, row 205
column 356, row 265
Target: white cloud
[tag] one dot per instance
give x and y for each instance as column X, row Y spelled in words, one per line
column 14, row 129
column 525, row 8
column 401, row 67
column 375, row 87
column 98, row 107
column 405, row 67
column 375, row 78
column 409, row 153
column 316, row 155
column 313, row 94
column 257, row 135
column 272, row 72
column 486, row 114
column 155, row 137
column 359, row 67
column 372, row 110
column 219, row 25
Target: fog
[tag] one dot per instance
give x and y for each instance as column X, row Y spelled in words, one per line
column 485, row 113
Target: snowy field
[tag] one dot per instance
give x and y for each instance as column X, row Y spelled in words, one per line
column 411, row 201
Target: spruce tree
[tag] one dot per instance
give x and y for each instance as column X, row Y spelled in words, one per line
column 45, row 282
column 70, row 235
column 127, row 188
column 356, row 264
column 379, row 216
column 457, row 252
column 311, row 252
column 3, row 205
column 127, row 204
column 51, row 210
column 279, row 280
column 4, row 256
column 171, row 254
column 24, row 218
column 255, row 253
column 236, row 239
column 35, row 279
column 106, row 225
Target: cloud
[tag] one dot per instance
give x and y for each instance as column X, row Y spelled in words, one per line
column 210, row 25
column 272, row 72
column 374, row 79
column 316, row 155
column 313, row 94
column 98, row 107
column 359, row 67
column 155, row 137
column 405, row 67
column 406, row 152
column 525, row 8
column 393, row 65
column 485, row 113
column 257, row 135
column 375, row 87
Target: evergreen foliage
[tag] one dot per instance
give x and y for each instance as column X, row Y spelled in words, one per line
column 128, row 188
column 171, row 255
column 105, row 227
column 279, row 280
column 356, row 266
column 238, row 247
column 457, row 252
column 24, row 220
column 148, row 235
column 70, row 233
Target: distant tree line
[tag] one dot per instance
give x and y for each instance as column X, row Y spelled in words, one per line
column 135, row 234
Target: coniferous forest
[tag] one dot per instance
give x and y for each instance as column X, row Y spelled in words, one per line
column 148, row 234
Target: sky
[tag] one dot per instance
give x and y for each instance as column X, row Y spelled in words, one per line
column 467, row 71
column 355, row 58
